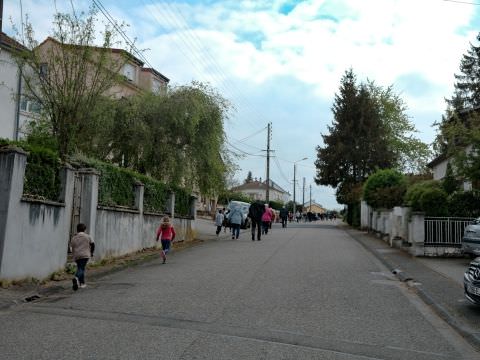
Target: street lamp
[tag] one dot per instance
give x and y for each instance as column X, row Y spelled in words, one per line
column 294, row 184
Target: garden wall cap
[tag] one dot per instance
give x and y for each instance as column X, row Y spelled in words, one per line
column 89, row 171
column 12, row 148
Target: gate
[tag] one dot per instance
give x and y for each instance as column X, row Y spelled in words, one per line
column 445, row 231
column 77, row 202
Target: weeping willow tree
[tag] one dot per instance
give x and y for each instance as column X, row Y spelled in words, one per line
column 177, row 137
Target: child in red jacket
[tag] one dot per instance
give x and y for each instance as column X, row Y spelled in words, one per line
column 166, row 233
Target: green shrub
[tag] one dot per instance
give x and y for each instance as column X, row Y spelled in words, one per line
column 415, row 191
column 277, row 205
column 155, row 196
column 228, row 196
column 183, row 202
column 464, row 204
column 433, row 202
column 384, row 189
column 42, row 173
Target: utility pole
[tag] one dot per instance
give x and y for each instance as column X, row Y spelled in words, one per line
column 310, row 198
column 294, row 185
column 269, row 135
column 303, row 197
column 1, row 15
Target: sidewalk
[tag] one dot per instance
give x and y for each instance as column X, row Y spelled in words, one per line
column 444, row 294
column 31, row 291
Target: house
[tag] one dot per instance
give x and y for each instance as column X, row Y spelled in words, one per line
column 18, row 110
column 440, row 163
column 137, row 77
column 257, row 190
column 312, row 206
column 11, row 116
column 439, row 169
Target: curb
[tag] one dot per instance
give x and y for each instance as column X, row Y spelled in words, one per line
column 465, row 331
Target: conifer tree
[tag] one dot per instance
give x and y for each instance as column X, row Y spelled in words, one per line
column 356, row 144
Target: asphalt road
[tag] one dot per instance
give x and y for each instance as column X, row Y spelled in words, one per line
column 306, row 292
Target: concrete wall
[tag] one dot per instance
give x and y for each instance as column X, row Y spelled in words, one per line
column 33, row 234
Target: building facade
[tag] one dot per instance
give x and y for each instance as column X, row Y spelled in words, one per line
column 257, row 190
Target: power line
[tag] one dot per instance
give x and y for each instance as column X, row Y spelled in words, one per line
column 461, row 2
column 173, row 22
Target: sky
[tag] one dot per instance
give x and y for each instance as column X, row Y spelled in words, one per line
column 281, row 62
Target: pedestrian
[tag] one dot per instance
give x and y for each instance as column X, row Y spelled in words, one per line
column 255, row 212
column 266, row 219
column 82, row 247
column 298, row 216
column 219, row 221
column 284, row 216
column 225, row 220
column 166, row 234
column 235, row 218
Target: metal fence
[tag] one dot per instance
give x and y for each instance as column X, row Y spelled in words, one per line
column 445, row 231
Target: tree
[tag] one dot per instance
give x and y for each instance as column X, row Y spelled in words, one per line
column 410, row 154
column 467, row 84
column 67, row 74
column 177, row 137
column 449, row 182
column 458, row 133
column 249, row 178
column 357, row 141
column 385, row 189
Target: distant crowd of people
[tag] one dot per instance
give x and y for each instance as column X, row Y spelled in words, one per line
column 261, row 218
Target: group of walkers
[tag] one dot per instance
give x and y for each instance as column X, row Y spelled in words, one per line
column 261, row 218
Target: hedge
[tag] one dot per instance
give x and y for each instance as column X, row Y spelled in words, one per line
column 42, row 173
column 384, row 189
column 116, row 188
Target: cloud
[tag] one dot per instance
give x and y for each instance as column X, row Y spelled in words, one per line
column 279, row 60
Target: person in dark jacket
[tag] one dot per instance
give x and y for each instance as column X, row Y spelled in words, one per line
column 284, row 216
column 255, row 212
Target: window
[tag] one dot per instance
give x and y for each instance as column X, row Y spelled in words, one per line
column 156, row 86
column 129, row 72
column 31, row 106
column 43, row 70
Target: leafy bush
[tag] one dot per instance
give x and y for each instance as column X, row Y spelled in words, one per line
column 183, row 202
column 116, row 185
column 277, row 205
column 464, row 204
column 384, row 189
column 155, row 196
column 433, row 202
column 42, row 173
column 228, row 196
column 415, row 191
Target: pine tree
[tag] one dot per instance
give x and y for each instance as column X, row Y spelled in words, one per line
column 356, row 144
column 249, row 178
column 467, row 84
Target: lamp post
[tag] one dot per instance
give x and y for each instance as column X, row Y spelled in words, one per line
column 294, row 184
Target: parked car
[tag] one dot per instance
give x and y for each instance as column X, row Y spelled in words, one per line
column 244, row 207
column 471, row 239
column 471, row 282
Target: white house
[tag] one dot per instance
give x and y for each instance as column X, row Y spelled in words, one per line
column 439, row 168
column 257, row 190
column 10, row 88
